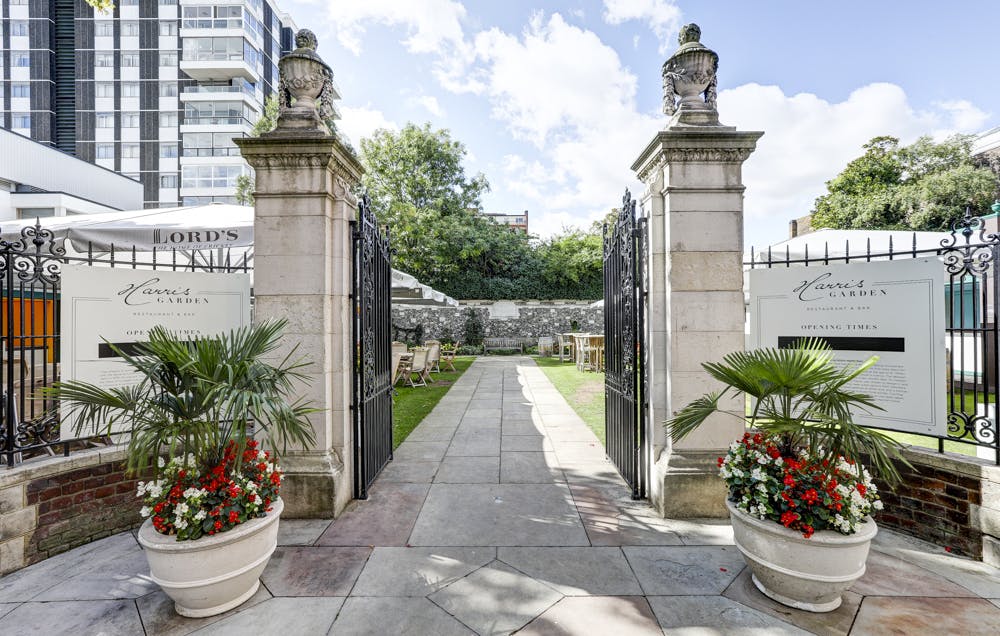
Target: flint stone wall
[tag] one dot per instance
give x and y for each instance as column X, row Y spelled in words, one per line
column 523, row 320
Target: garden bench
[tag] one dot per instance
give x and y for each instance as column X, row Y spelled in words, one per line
column 493, row 344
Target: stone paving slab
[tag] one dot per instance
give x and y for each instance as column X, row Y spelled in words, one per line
column 716, row 615
column 314, row 571
column 397, row 616
column 529, row 468
column 73, row 618
column 160, row 619
column 580, row 616
column 468, row 470
column 301, row 531
column 498, row 515
column 925, row 616
column 664, row 571
column 280, row 616
column 418, row 571
column 835, row 623
column 420, row 451
column 124, row 577
column 411, row 472
column 887, row 576
column 385, row 518
column 496, row 599
column 576, row 571
column 525, row 443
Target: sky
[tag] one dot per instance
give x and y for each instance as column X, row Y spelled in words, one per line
column 555, row 100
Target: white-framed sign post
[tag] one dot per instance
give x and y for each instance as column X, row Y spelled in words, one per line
column 892, row 309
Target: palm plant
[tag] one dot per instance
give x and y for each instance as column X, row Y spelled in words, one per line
column 801, row 396
column 196, row 396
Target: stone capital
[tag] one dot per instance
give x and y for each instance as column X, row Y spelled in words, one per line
column 706, row 144
column 302, row 152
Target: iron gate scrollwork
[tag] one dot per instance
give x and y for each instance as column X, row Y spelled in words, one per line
column 624, row 334
column 372, row 384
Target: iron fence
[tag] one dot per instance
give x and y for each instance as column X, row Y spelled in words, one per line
column 971, row 259
column 30, row 285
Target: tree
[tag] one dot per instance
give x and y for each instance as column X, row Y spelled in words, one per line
column 923, row 186
column 103, row 6
column 268, row 120
column 417, row 186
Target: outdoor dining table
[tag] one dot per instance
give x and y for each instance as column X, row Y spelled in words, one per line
column 589, row 351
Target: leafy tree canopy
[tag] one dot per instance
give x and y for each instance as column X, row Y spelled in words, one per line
column 923, row 186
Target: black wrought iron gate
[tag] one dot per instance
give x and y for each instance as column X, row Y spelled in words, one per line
column 625, row 335
column 372, row 384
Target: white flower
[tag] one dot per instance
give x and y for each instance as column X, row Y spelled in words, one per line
column 877, row 504
column 154, row 489
column 160, row 462
column 757, row 474
column 140, row 489
column 180, row 509
column 201, row 514
column 180, row 523
column 193, row 493
column 251, row 486
column 257, row 500
column 145, row 511
column 191, row 461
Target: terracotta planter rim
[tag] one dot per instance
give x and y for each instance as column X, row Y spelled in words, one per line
column 150, row 539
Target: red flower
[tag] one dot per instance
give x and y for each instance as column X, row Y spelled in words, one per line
column 862, row 489
column 810, row 496
column 757, row 439
column 788, row 518
column 773, row 452
column 807, row 531
column 792, row 464
column 217, row 525
column 233, row 516
column 789, row 480
column 720, row 461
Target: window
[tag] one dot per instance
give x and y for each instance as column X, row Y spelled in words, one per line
column 168, row 59
column 210, row 176
column 34, row 213
column 104, row 59
column 130, row 29
column 129, row 3
column 20, row 89
column 104, row 28
column 210, row 145
column 19, row 27
column 20, row 58
column 105, row 151
column 130, row 151
column 168, row 27
column 214, row 113
column 20, row 120
column 130, row 120
column 104, row 120
column 215, row 48
column 167, row 2
column 18, row 2
column 168, row 89
column 168, row 120
column 130, row 59
column 168, row 181
column 168, row 151
column 130, row 89
column 104, row 89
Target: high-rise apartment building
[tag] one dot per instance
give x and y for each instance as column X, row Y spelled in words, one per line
column 154, row 89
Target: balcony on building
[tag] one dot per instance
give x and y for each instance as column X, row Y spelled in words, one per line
column 220, row 58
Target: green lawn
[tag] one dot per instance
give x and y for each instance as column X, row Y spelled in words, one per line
column 412, row 404
column 584, row 390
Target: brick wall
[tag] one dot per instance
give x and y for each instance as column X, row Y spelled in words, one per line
column 53, row 505
column 947, row 499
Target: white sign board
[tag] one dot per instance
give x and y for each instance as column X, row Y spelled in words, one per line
column 108, row 305
column 892, row 309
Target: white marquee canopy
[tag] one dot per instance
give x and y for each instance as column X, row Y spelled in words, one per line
column 201, row 228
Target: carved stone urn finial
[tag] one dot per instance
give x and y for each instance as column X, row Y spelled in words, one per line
column 305, row 89
column 689, row 81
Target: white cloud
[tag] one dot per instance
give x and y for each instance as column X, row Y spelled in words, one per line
column 362, row 122
column 430, row 104
column 808, row 140
column 662, row 16
column 430, row 24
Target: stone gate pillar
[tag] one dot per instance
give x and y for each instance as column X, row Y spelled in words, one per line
column 302, row 273
column 693, row 201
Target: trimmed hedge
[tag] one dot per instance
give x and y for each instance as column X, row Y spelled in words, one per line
column 472, row 285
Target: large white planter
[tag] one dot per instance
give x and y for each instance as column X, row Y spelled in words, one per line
column 215, row 573
column 809, row 574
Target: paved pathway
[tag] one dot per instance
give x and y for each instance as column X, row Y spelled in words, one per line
column 500, row 514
